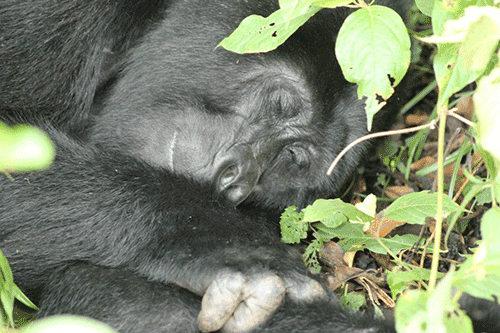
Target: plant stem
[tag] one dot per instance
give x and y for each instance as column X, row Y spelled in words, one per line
column 440, row 193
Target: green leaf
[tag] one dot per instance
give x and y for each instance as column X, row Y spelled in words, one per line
column 262, row 34
column 353, row 238
column 311, row 255
column 453, row 70
column 67, row 323
column 293, row 229
column 24, row 148
column 425, row 6
column 422, row 312
column 353, row 301
column 323, row 209
column 21, row 297
column 479, row 275
column 487, row 109
column 372, row 48
column 414, row 208
column 331, row 3
column 482, row 36
column 399, row 281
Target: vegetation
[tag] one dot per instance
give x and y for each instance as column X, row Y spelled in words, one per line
column 466, row 36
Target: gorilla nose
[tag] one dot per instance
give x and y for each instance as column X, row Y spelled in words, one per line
column 238, row 179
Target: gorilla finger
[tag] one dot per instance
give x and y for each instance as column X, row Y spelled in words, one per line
column 263, row 294
column 220, row 300
column 301, row 288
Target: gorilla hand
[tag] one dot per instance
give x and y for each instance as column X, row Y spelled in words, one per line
column 237, row 302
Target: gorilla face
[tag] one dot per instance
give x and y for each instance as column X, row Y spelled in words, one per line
column 262, row 128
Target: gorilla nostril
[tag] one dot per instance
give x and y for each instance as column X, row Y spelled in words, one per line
column 237, row 180
column 227, row 176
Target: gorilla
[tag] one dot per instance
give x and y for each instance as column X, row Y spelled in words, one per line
column 173, row 159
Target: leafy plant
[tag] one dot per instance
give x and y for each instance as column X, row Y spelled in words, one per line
column 8, row 292
column 467, row 35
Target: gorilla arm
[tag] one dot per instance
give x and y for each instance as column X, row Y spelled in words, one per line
column 118, row 212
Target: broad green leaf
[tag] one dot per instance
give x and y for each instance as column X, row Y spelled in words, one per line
column 293, row 8
column 425, row 6
column 262, row 34
column 353, row 238
column 487, row 108
column 331, row 3
column 373, row 48
column 479, row 275
column 24, row 148
column 399, row 280
column 481, row 38
column 67, row 323
column 414, row 208
column 422, row 312
column 395, row 244
column 369, row 205
column 450, row 66
column 323, row 209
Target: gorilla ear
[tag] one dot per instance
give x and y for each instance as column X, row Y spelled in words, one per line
column 239, row 176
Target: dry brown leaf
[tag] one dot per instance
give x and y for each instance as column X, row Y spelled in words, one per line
column 349, row 258
column 416, row 119
column 465, row 107
column 422, row 163
column 332, row 254
column 383, row 226
column 395, row 192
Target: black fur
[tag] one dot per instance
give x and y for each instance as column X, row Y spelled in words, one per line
column 159, row 136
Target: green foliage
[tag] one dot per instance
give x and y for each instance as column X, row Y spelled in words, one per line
column 292, row 227
column 8, row 292
column 336, row 219
column 464, row 52
column 467, row 34
column 399, row 280
column 262, row 34
column 312, row 254
column 24, row 148
column 373, row 48
column 425, row 6
column 422, row 312
column 353, row 301
column 416, row 207
column 479, row 275
column 326, row 210
column 67, row 323
column 488, row 116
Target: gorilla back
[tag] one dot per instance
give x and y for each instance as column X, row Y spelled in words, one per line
column 160, row 138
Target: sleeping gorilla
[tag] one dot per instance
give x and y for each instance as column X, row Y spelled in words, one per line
column 160, row 136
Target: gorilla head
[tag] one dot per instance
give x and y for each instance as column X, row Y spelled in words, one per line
column 262, row 128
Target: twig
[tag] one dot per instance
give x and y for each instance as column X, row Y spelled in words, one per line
column 430, row 125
